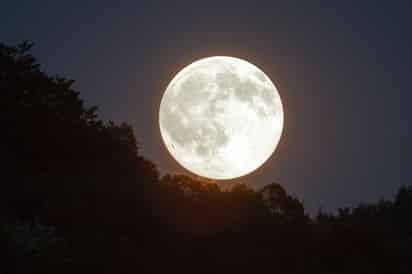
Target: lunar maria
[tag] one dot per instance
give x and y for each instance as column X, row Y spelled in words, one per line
column 221, row 117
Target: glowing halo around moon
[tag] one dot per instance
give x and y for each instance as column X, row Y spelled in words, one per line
column 221, row 117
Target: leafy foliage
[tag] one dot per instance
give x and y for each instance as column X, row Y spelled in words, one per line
column 77, row 196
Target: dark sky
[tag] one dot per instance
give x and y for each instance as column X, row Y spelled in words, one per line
column 342, row 69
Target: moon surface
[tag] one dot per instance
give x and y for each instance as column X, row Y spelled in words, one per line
column 221, row 117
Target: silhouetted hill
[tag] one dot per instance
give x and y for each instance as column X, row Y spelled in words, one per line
column 77, row 197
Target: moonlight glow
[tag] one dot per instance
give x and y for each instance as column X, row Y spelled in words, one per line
column 221, row 117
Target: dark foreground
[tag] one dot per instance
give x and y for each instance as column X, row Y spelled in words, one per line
column 77, row 197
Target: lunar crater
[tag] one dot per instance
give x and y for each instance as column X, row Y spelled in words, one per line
column 221, row 117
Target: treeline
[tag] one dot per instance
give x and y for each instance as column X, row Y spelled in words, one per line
column 76, row 196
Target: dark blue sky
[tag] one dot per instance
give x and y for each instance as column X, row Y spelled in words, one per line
column 342, row 68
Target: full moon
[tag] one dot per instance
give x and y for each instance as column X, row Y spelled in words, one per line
column 221, row 117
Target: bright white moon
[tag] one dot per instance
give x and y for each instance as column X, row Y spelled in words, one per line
column 221, row 117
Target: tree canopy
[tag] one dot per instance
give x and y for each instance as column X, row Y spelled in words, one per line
column 78, row 197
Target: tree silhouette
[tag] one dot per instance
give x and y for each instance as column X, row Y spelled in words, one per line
column 77, row 197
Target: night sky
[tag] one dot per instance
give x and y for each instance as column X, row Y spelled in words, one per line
column 342, row 69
